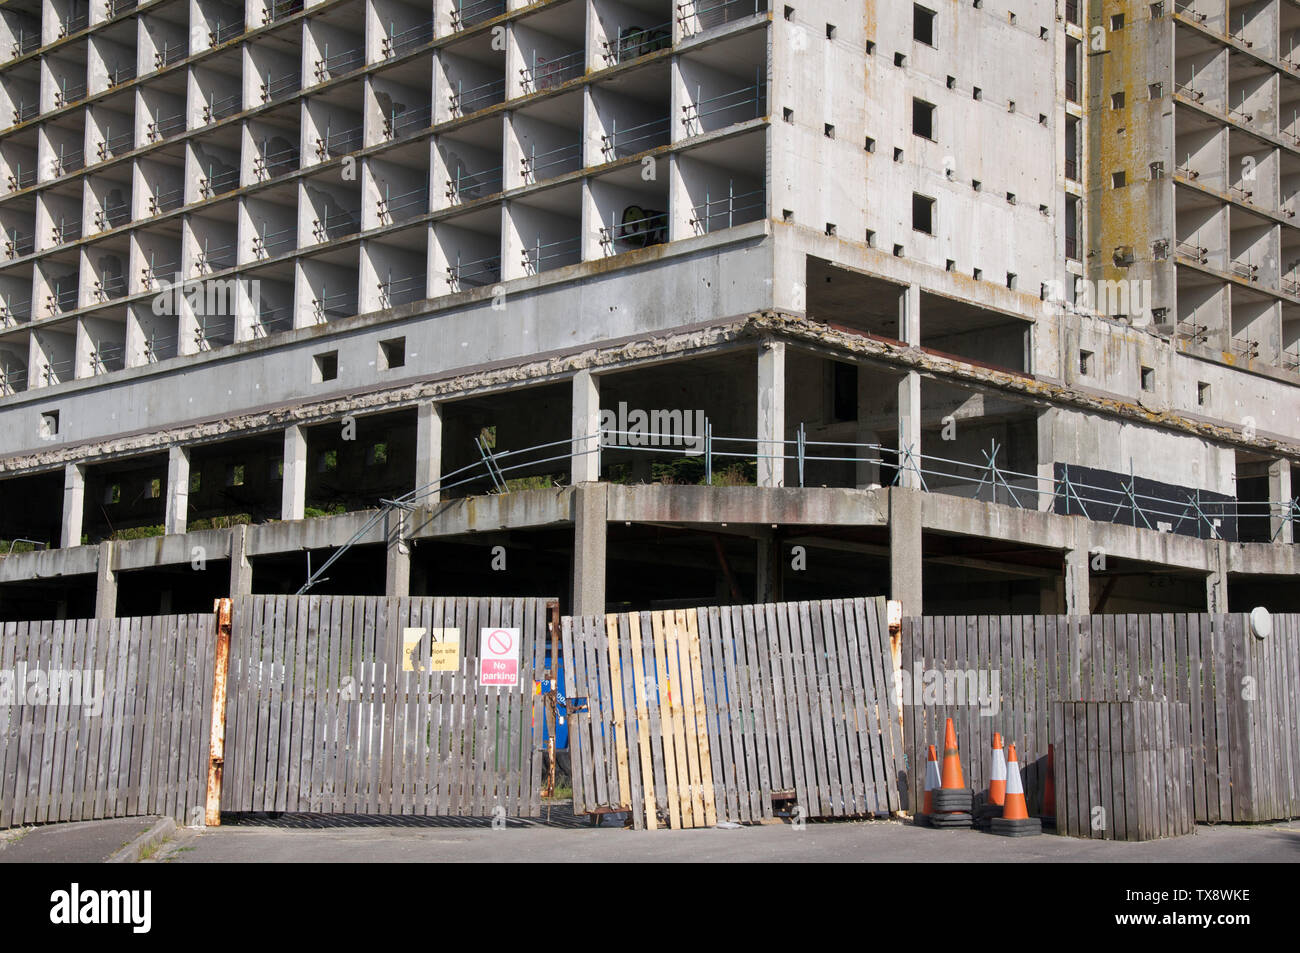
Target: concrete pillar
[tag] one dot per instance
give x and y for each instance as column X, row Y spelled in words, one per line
column 768, row 556
column 178, row 489
column 867, row 474
column 905, row 549
column 586, row 423
column 428, row 451
column 293, row 504
column 397, row 570
column 105, row 583
column 771, row 413
column 1281, row 529
column 909, row 315
column 909, row 429
column 241, row 570
column 1216, row 583
column 74, row 503
column 590, row 509
column 1078, row 584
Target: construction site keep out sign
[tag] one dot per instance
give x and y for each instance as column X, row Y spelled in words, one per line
column 498, row 658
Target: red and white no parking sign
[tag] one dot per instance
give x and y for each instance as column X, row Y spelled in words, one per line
column 498, row 657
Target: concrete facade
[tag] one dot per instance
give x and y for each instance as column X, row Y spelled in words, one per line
column 266, row 269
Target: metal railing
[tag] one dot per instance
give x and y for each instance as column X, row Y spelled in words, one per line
column 407, row 122
column 1244, row 269
column 69, row 93
column 710, row 13
column 210, row 332
column 170, row 53
column 466, row 186
column 156, row 273
column 1072, row 91
column 158, row 348
column 467, row 14
column 1190, row 91
column 641, row 137
column 403, row 205
column 20, row 179
column 118, row 7
column 1192, row 250
column 109, row 287
column 474, row 274
column 543, row 72
column 397, row 291
column 280, row 9
column 337, row 143
column 61, row 299
column 163, row 126
column 331, row 307
column 634, row 42
column 225, row 32
column 66, row 230
column 733, row 106
column 638, row 228
column 270, row 244
column 217, row 183
column 75, row 23
column 466, row 101
column 219, row 107
column 112, row 146
column 395, row 44
column 273, row 320
column 1290, row 283
column 329, row 227
column 107, row 357
column 277, row 87
column 333, row 65
column 12, row 380
column 212, row 258
column 112, row 214
column 24, row 43
column 545, row 165
column 18, row 245
column 12, row 312
column 540, row 255
column 67, row 161
column 268, row 165
column 733, row 209
column 1245, row 347
column 164, row 201
column 121, row 74
column 24, row 111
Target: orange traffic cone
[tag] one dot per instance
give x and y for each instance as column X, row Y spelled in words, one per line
column 1015, row 820
column 998, row 774
column 1049, row 786
column 952, row 773
column 931, row 781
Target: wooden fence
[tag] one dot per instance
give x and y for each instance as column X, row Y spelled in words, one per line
column 1124, row 769
column 1242, row 693
column 335, row 705
column 128, row 737
column 701, row 715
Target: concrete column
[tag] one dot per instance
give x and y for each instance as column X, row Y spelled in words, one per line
column 909, row 429
column 771, row 413
column 105, row 583
column 909, row 315
column 1216, row 583
column 867, row 474
column 74, row 503
column 905, row 548
column 241, row 570
column 768, row 562
column 586, row 422
column 293, row 503
column 1078, row 587
column 428, row 451
column 1279, row 494
column 397, row 570
column 178, row 489
column 590, row 509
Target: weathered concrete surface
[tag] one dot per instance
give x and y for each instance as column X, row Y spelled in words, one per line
column 82, row 842
column 815, row 506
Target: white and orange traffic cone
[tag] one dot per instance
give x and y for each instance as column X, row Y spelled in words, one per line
column 931, row 783
column 1015, row 820
column 952, row 801
column 998, row 773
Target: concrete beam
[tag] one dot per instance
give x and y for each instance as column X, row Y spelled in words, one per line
column 1281, row 529
column 590, row 512
column 428, row 450
column 178, row 490
column 1078, row 581
column 771, row 413
column 105, row 583
column 241, row 570
column 815, row 506
column 74, row 504
column 1216, row 583
column 293, row 503
column 909, row 429
column 905, row 549
column 586, row 423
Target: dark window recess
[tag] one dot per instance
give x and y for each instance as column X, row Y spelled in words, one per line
column 922, row 25
column 923, row 118
column 327, row 366
column 392, row 353
column 923, row 214
column 844, row 391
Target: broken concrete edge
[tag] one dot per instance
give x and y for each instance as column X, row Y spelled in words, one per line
column 132, row 852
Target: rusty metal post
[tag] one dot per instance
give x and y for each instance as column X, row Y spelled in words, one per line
column 217, row 739
column 550, row 717
column 894, row 617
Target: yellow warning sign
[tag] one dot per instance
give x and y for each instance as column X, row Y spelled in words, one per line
column 430, row 650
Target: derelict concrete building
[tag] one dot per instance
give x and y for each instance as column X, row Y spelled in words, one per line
column 990, row 305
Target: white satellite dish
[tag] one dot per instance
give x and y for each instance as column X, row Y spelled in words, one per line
column 1261, row 623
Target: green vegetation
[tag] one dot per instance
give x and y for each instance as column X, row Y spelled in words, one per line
column 331, row 509
column 221, row 522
